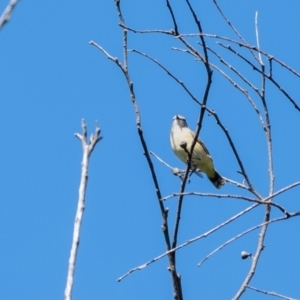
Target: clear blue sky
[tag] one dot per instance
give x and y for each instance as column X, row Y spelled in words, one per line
column 51, row 78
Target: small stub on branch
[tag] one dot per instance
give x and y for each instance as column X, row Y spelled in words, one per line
column 245, row 255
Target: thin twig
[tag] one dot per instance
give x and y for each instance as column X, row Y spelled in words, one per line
column 173, row 17
column 211, row 195
column 290, row 215
column 246, row 94
column 175, row 171
column 244, row 45
column 168, row 72
column 238, row 184
column 257, row 39
column 263, row 232
column 6, row 15
column 169, row 32
column 295, row 184
column 197, row 21
column 266, row 75
column 270, row 293
column 281, row 208
column 159, row 159
column 206, row 234
column 232, row 27
column 238, row 73
column 243, row 171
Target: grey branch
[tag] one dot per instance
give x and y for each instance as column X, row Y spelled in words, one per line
column 7, row 12
column 206, row 234
column 88, row 148
column 271, row 293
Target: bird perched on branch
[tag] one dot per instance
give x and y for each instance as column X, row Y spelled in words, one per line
column 181, row 141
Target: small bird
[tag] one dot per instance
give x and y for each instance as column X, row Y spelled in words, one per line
column 181, row 141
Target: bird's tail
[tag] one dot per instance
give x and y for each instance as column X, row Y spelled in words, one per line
column 218, row 181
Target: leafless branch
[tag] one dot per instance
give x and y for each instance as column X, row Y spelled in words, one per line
column 175, row 171
column 243, row 171
column 159, row 159
column 200, row 118
column 211, row 195
column 169, row 73
column 6, row 15
column 204, row 235
column 212, row 113
column 223, row 61
column 269, row 77
column 246, row 232
column 257, row 39
column 244, row 44
column 176, row 280
column 263, row 232
column 173, row 17
column 188, row 242
column 88, row 148
column 232, row 27
column 271, row 293
column 264, row 117
column 241, row 185
column 281, row 208
column 295, row 184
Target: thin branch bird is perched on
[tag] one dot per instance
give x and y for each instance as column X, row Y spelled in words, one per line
column 181, row 141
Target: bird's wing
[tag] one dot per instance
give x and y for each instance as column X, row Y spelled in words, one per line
column 200, row 142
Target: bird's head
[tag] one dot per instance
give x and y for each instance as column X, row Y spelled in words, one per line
column 179, row 121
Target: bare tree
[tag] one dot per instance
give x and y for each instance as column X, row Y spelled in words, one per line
column 261, row 63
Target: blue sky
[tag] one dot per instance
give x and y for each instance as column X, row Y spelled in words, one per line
column 51, row 78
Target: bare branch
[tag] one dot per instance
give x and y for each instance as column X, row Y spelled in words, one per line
column 243, row 171
column 211, row 195
column 246, row 94
column 164, row 212
column 282, row 209
column 244, row 45
column 199, row 125
column 175, row 171
column 6, row 15
column 211, row 112
column 264, row 228
column 244, row 233
column 266, row 75
column 206, row 234
column 201, row 36
column 173, row 17
column 159, row 159
column 270, row 293
column 257, row 39
column 223, row 61
column 295, row 184
column 259, row 249
column 169, row 32
column 232, row 27
column 169, row 73
column 202, row 56
column 87, row 150
column 238, row 184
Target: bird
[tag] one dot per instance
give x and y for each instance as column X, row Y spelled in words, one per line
column 181, row 138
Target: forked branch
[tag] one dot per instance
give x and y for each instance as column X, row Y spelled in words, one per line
column 87, row 147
